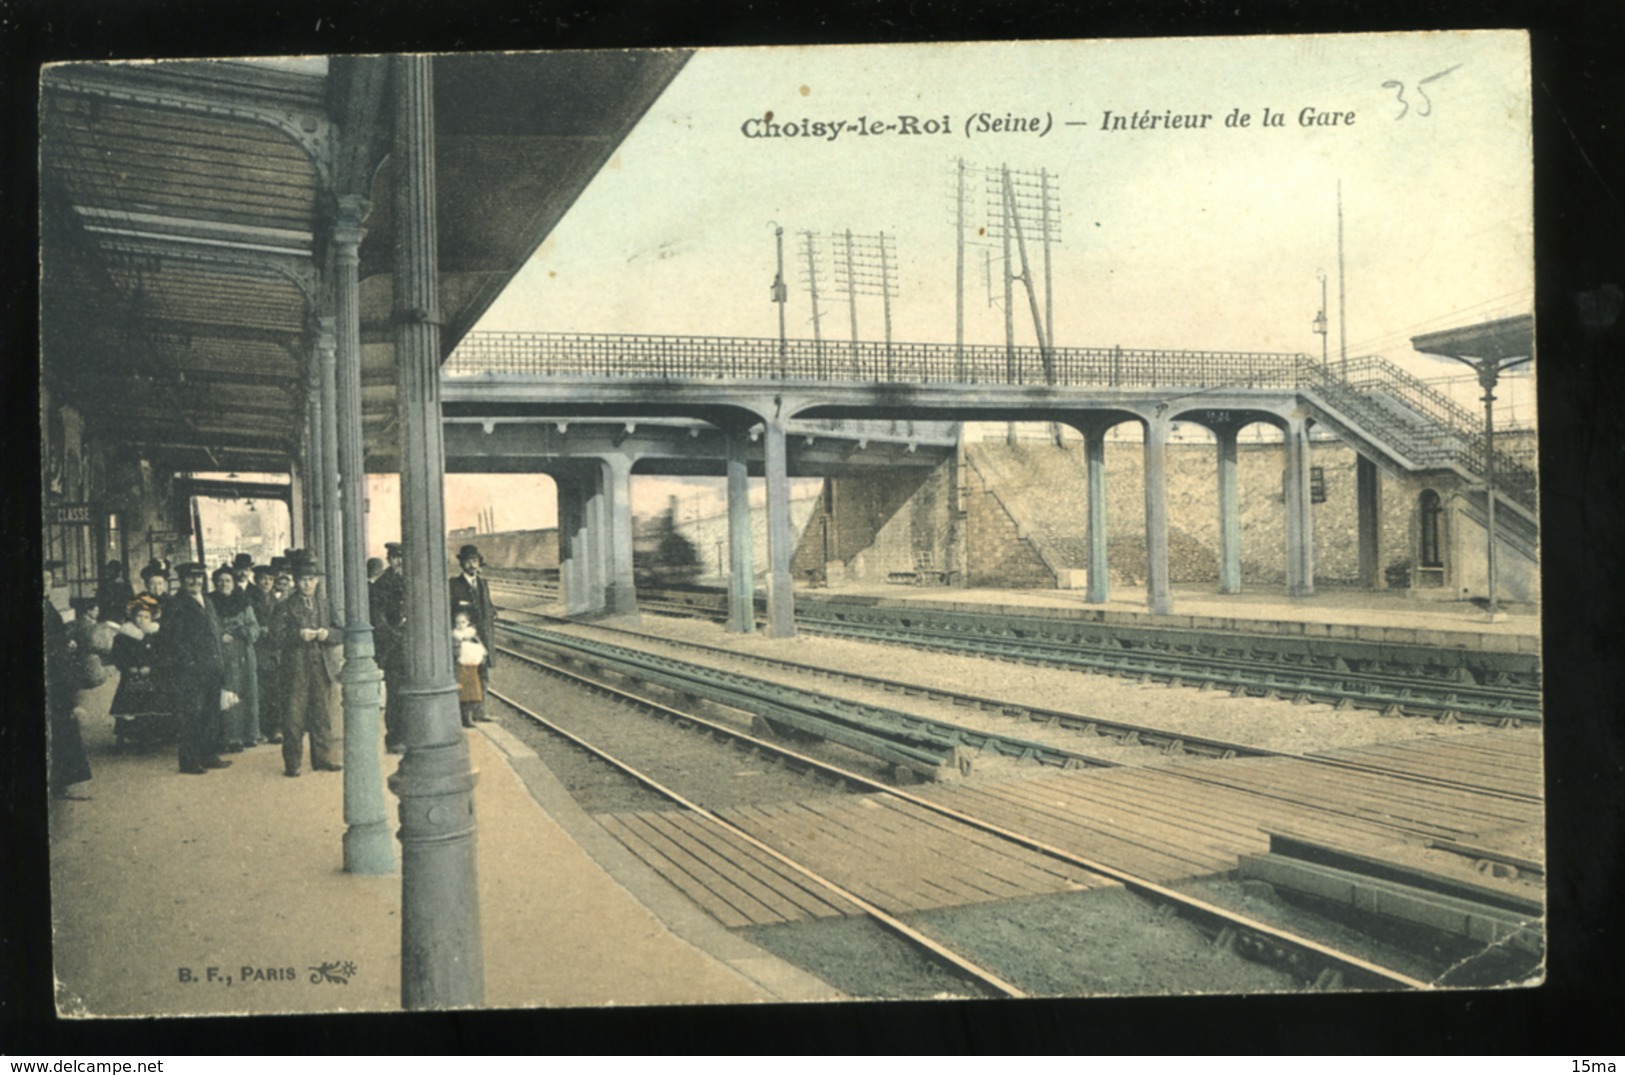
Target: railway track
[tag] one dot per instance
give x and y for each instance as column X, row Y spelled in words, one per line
column 953, row 742
column 1310, row 958
column 1397, row 681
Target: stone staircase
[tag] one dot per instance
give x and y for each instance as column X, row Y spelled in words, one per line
column 1042, row 487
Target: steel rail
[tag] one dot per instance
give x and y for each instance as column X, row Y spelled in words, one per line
column 889, row 921
column 1309, row 684
column 1209, row 912
column 895, row 736
column 1168, row 742
column 1261, row 673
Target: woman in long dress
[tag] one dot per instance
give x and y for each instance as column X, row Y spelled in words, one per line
column 142, row 709
column 239, row 630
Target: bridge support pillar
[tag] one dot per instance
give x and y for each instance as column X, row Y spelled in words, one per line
column 595, row 536
column 575, row 554
column 741, row 554
column 1159, row 599
column 1229, row 511
column 620, row 594
column 1368, row 509
column 1100, row 580
column 781, row 611
column 442, row 958
column 1300, row 535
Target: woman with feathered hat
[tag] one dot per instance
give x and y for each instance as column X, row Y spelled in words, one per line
column 142, row 709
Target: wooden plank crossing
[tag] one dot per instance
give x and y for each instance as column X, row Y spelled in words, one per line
column 895, row 855
column 1504, row 761
column 1189, row 818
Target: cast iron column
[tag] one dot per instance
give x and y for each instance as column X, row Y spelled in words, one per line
column 741, row 554
column 333, row 514
column 621, row 594
column 1158, row 598
column 442, row 963
column 296, row 505
column 1488, row 374
column 1099, row 581
column 1229, row 511
column 781, row 609
column 315, row 535
column 369, row 846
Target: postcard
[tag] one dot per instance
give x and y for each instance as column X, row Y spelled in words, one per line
column 940, row 521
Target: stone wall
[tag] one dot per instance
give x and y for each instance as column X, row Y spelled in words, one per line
column 869, row 526
column 997, row 551
column 533, row 549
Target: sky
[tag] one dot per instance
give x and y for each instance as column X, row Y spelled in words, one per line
column 1203, row 237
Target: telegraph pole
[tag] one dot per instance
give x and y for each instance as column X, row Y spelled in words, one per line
column 865, row 268
column 810, row 246
column 1049, row 278
column 959, row 275
column 1009, row 307
column 885, row 302
column 1342, row 309
column 852, row 300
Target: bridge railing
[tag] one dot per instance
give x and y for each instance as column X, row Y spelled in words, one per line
column 760, row 358
column 1448, row 432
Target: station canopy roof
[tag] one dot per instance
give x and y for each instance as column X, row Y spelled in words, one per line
column 186, row 208
column 1508, row 337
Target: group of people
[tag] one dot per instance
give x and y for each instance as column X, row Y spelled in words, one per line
column 473, row 621
column 249, row 660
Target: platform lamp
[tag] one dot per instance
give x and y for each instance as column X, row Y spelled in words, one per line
column 1490, row 350
column 1320, row 322
column 781, row 295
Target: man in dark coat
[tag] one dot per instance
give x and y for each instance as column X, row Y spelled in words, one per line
column 266, row 656
column 64, row 744
column 310, row 646
column 197, row 668
column 114, row 592
column 470, row 593
column 386, row 599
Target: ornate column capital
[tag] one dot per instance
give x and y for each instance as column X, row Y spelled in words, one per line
column 349, row 213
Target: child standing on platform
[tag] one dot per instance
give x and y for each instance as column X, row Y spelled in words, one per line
column 470, row 655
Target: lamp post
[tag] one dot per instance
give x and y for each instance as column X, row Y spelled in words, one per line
column 781, row 295
column 1320, row 322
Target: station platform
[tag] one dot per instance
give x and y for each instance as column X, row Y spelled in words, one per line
column 225, row 893
column 1368, row 616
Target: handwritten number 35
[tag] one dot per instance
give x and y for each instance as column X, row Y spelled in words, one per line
column 1426, row 107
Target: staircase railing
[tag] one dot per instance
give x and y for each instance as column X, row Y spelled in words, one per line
column 1450, row 434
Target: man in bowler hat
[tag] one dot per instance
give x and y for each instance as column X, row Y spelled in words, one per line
column 470, row 593
column 310, row 647
column 198, row 672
